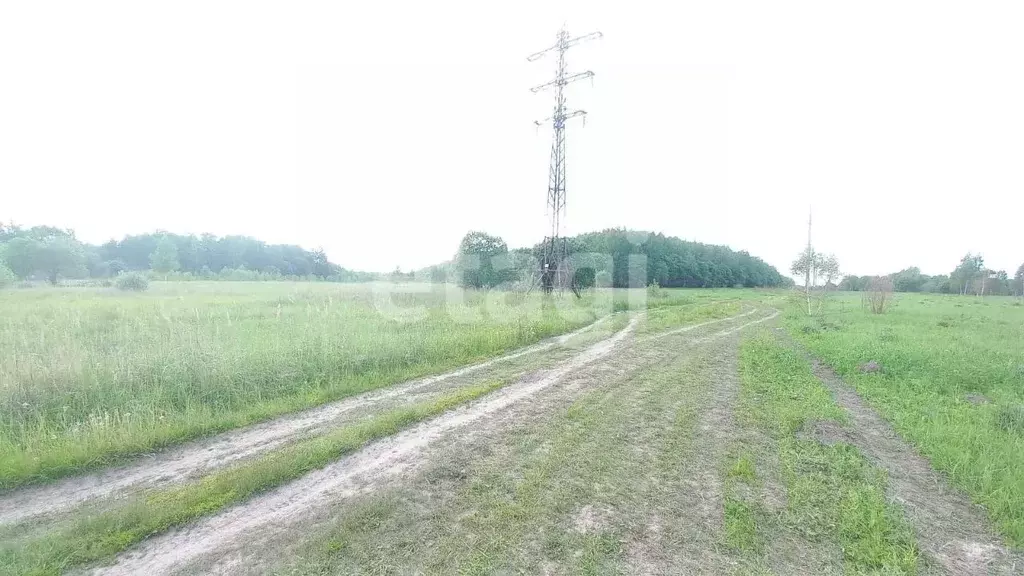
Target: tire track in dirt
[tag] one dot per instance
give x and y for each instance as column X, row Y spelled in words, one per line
column 226, row 535
column 273, row 548
column 950, row 530
column 695, row 550
column 267, row 544
column 188, row 460
column 691, row 327
column 361, row 472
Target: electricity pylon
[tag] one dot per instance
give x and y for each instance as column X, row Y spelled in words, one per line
column 554, row 267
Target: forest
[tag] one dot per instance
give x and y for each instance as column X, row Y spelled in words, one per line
column 971, row 276
column 49, row 253
column 617, row 257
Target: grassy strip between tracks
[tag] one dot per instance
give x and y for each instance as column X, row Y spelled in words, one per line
column 834, row 494
column 100, row 537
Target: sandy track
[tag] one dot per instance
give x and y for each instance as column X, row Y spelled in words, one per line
column 950, row 530
column 223, row 543
column 692, row 327
column 363, row 471
column 188, row 460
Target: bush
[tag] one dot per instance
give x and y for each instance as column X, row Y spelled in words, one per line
column 655, row 291
column 7, row 278
column 132, row 281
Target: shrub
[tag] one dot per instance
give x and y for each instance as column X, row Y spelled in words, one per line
column 132, row 281
column 655, row 291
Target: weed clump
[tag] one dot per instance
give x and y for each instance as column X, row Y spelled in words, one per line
column 1011, row 418
column 132, row 282
column 870, row 367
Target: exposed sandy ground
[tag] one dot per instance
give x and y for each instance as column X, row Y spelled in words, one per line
column 225, row 543
column 363, row 471
column 196, row 458
column 950, row 530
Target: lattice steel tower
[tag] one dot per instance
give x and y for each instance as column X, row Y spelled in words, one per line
column 554, row 267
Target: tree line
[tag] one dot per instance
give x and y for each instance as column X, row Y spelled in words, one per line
column 49, row 253
column 615, row 257
column 970, row 276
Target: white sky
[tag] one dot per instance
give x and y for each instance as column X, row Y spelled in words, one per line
column 383, row 131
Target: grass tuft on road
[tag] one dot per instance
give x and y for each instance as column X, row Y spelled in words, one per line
column 100, row 537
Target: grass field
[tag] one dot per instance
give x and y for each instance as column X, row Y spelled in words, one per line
column 951, row 382
column 90, row 375
column 681, row 433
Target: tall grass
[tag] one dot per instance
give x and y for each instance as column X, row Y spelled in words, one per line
column 951, row 382
column 100, row 536
column 88, row 376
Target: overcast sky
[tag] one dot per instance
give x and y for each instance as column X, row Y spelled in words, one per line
column 383, row 131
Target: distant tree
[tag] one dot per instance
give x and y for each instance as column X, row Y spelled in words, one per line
column 116, row 267
column 164, row 258
column 967, row 272
column 812, row 266
column 7, row 276
column 804, row 265
column 1018, row 281
column 982, row 282
column 8, row 232
column 851, row 283
column 61, row 256
column 483, row 261
column 1000, row 285
column 828, row 269
column 321, row 267
column 52, row 256
column 880, row 294
column 938, row 283
column 908, row 280
column 21, row 254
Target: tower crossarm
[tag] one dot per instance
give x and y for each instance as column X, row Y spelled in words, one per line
column 560, row 45
column 563, row 117
column 562, row 81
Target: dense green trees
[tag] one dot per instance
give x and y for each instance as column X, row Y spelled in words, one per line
column 967, row 272
column 632, row 258
column 614, row 257
column 483, row 261
column 164, row 258
column 969, row 277
column 46, row 252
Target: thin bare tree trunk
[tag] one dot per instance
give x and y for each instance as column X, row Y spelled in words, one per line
column 810, row 264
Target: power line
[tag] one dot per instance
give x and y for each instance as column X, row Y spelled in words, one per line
column 554, row 272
